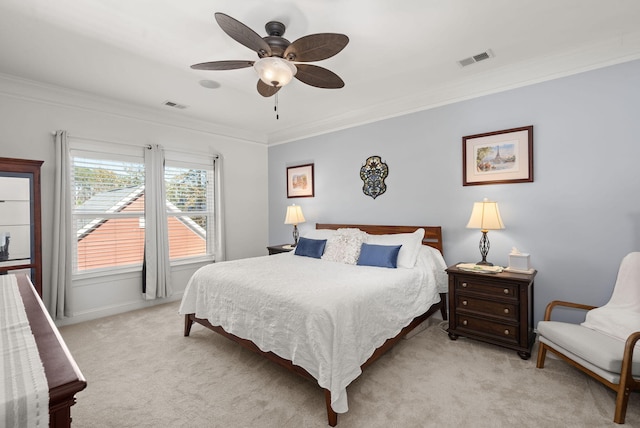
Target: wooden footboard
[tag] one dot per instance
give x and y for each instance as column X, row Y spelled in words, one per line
column 332, row 416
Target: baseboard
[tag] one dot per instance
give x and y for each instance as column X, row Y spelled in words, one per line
column 114, row 310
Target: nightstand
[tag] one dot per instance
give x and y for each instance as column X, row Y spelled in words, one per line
column 277, row 249
column 495, row 308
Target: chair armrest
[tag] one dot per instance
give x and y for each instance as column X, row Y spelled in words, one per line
column 553, row 304
column 631, row 342
column 627, row 360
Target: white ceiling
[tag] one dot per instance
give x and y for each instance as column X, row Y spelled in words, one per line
column 402, row 55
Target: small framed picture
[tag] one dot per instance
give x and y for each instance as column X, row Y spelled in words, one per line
column 300, row 181
column 498, row 157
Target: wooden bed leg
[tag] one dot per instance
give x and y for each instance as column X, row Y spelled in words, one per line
column 333, row 416
column 188, row 322
column 443, row 305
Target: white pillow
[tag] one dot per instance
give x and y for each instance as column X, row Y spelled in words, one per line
column 319, row 233
column 411, row 243
column 344, row 246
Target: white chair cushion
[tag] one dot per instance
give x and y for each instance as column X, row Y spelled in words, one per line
column 599, row 349
column 610, row 376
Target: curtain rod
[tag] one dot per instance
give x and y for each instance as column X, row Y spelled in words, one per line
column 147, row 146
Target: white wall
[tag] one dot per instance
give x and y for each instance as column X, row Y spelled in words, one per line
column 28, row 115
column 578, row 218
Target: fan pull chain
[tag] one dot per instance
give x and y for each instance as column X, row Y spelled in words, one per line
column 275, row 107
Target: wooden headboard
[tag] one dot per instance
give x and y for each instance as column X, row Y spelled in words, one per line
column 432, row 234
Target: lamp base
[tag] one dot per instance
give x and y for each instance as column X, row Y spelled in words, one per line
column 296, row 235
column 484, row 249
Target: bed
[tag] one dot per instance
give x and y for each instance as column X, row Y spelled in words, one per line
column 325, row 318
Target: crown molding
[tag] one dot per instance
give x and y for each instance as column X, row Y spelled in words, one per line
column 616, row 50
column 481, row 80
column 38, row 92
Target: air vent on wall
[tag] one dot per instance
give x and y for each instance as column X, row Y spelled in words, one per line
column 476, row 58
column 174, row 105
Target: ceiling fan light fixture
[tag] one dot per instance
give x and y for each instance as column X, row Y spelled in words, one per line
column 275, row 71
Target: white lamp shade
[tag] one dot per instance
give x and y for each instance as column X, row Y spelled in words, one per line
column 275, row 71
column 485, row 216
column 294, row 215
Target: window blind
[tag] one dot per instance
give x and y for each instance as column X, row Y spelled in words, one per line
column 108, row 210
column 189, row 192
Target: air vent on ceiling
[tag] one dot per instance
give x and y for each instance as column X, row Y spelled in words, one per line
column 174, row 105
column 476, row 58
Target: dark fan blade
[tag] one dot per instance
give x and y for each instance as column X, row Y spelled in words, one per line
column 318, row 76
column 222, row 65
column 243, row 34
column 266, row 90
column 316, row 47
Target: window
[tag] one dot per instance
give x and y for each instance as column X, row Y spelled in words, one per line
column 108, row 210
column 189, row 208
column 108, row 195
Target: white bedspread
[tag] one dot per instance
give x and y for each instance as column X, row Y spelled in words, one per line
column 325, row 317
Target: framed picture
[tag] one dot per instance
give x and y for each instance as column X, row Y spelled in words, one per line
column 300, row 181
column 498, row 157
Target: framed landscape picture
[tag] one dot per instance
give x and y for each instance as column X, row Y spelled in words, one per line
column 498, row 157
column 300, row 181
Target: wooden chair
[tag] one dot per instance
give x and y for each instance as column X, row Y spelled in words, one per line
column 602, row 346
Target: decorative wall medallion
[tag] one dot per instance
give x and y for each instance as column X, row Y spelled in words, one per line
column 373, row 173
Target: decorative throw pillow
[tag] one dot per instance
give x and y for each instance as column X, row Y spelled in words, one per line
column 379, row 255
column 344, row 246
column 310, row 247
column 410, row 242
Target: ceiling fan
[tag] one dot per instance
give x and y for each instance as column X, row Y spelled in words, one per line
column 280, row 60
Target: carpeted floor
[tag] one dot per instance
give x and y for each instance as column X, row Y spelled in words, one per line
column 142, row 372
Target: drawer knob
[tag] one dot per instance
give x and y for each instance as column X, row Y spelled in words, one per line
column 506, row 291
column 464, row 322
column 465, row 303
column 506, row 310
column 506, row 332
column 464, row 285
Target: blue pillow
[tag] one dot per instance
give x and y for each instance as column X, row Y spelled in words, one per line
column 310, row 247
column 379, row 255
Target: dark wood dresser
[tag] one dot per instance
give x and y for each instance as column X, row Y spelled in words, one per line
column 495, row 308
column 63, row 375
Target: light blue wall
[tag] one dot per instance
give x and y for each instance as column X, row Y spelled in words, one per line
column 578, row 218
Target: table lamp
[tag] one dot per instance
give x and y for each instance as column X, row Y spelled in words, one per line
column 485, row 216
column 295, row 217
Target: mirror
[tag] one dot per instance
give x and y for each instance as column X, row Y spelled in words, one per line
column 20, row 241
column 15, row 220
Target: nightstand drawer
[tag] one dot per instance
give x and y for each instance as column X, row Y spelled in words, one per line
column 496, row 330
column 472, row 285
column 496, row 309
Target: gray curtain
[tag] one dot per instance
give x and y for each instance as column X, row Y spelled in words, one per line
column 61, row 274
column 156, row 280
column 219, row 243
